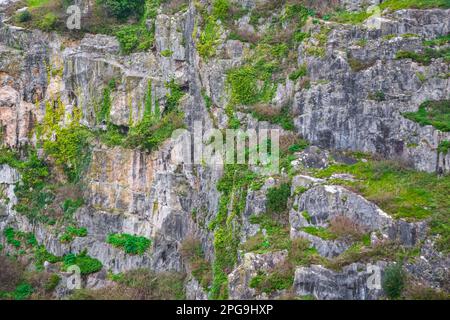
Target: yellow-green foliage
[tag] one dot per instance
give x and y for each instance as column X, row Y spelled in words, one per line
column 67, row 145
column 209, row 38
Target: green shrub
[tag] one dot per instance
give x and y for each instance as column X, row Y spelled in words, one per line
column 23, row 16
column 282, row 117
column 444, row 147
column 244, row 89
column 435, row 113
column 393, row 281
column 105, row 106
column 129, row 243
column 320, row 232
column 280, row 279
column 277, row 198
column 167, row 53
column 86, row 263
column 48, row 22
column 301, row 72
column 125, row 8
column 220, row 9
column 22, row 292
column 439, row 41
column 72, row 232
column 134, row 38
column 70, row 206
column 52, row 282
column 426, row 57
column 209, row 38
column 10, row 235
column 70, row 150
column 377, row 96
column 41, row 255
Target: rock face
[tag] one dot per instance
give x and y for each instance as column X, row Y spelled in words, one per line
column 323, row 203
column 148, row 194
column 336, row 112
column 349, row 284
column 251, row 264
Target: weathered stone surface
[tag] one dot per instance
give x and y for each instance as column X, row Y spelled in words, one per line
column 251, row 263
column 323, row 203
column 336, row 113
column 349, row 284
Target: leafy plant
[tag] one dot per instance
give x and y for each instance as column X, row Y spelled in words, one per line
column 435, row 113
column 124, row 8
column 277, row 198
column 393, row 281
column 129, row 243
column 86, row 263
column 72, row 232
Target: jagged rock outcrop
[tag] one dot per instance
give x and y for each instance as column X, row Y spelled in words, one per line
column 149, row 194
column 336, row 112
column 349, row 284
column 323, row 203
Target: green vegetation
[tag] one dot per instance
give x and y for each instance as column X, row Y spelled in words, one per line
column 34, row 193
column 41, row 255
column 320, row 232
column 282, row 275
column 268, row 283
column 208, row 100
column 86, row 263
column 343, row 16
column 52, row 282
column 394, row 281
column 68, row 145
column 281, row 117
column 277, row 198
column 426, row 57
column 444, row 147
column 233, row 187
column 22, row 292
column 208, row 38
column 10, row 236
column 377, row 96
column 124, row 8
column 48, row 22
column 439, row 41
column 23, row 16
column 129, row 243
column 434, row 113
column 70, row 206
column 141, row 284
column 167, row 53
column 153, row 129
column 72, row 232
column 299, row 73
column 105, row 106
column 134, row 38
column 276, row 238
column 358, row 65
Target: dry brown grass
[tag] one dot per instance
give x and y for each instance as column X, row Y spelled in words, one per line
column 266, row 110
column 10, row 273
column 344, row 227
column 245, row 35
column 287, row 140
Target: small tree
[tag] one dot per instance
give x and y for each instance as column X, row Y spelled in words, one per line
column 394, row 281
column 122, row 9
